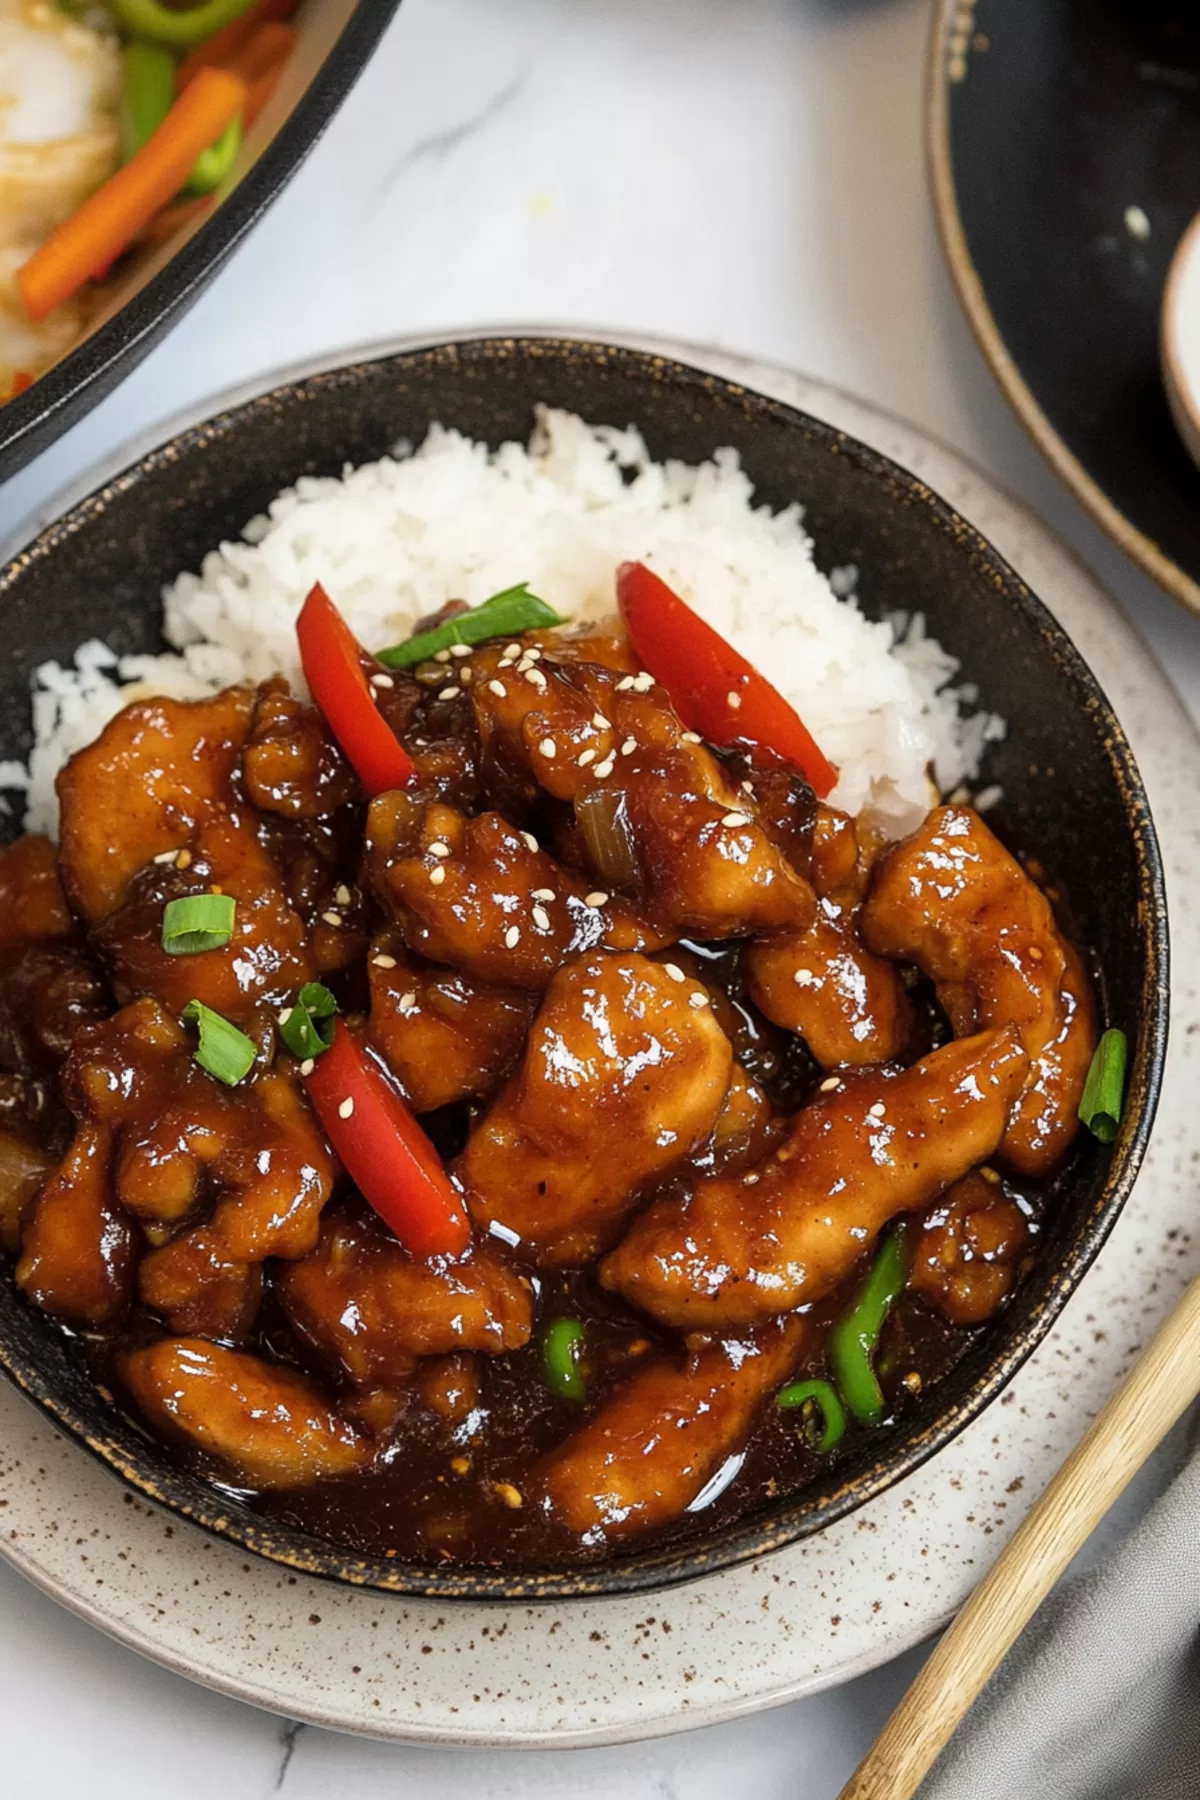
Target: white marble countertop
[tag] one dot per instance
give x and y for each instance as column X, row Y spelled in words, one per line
column 747, row 175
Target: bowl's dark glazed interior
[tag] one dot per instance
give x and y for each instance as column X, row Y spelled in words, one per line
column 1072, row 794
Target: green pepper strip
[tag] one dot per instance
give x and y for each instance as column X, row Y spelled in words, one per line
column 148, row 94
column 854, row 1338
column 176, row 30
column 823, row 1396
column 213, row 166
column 561, row 1350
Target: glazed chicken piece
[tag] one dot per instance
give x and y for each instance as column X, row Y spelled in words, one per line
column 969, row 1250
column 641, row 1460
column 951, row 899
column 198, row 1290
column 625, row 1073
column 266, row 1425
column 150, row 813
column 849, row 1006
column 480, row 895
column 291, row 764
column 79, row 1250
column 33, row 906
column 48, row 987
column 657, row 812
column 445, row 1036
column 736, row 1250
column 373, row 1312
column 24, row 1169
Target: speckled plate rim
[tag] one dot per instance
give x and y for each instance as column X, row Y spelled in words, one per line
column 994, row 1363
column 78, row 1490
column 944, row 59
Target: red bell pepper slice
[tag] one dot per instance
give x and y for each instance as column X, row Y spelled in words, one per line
column 714, row 690
column 333, row 668
column 385, row 1152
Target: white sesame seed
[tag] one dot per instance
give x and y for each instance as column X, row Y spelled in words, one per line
column 675, row 972
column 498, row 688
column 466, row 674
column 286, row 1014
column 629, row 746
column 600, row 722
column 692, row 737
column 625, row 683
column 384, row 962
column 331, row 917
column 529, row 840
column 442, row 656
column 548, row 748
column 506, row 662
column 460, row 649
column 604, row 769
column 830, row 1084
column 437, row 875
column 585, row 757
column 307, row 1066
column 346, row 1109
column 735, row 818
column 544, row 894
column 697, row 1000
column 343, row 895
column 877, row 1111
column 599, row 898
column 407, row 1004
column 733, row 701
column 440, row 849
column 166, row 856
column 383, row 681
column 541, row 918
column 535, row 678
column 450, row 693
column 748, row 787
column 804, row 978
column 643, row 682
column 512, row 937
column 513, row 650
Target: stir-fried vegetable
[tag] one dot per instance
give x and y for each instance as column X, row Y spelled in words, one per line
column 223, row 1050
column 107, row 224
column 823, row 1417
column 215, row 164
column 307, row 1028
column 197, row 922
column 712, row 687
column 147, row 94
column 175, row 29
column 385, row 1152
column 855, row 1337
column 222, row 49
column 562, row 1348
column 603, row 822
column 1104, row 1089
column 333, row 667
column 507, row 614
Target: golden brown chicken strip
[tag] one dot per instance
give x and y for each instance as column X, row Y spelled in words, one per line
column 291, row 764
column 951, row 899
column 657, row 812
column 79, row 1251
column 364, row 1303
column 625, row 1073
column 736, row 1250
column 444, row 1036
column 849, row 1006
column 643, row 1457
column 268, row 1426
column 33, row 906
column 970, row 1246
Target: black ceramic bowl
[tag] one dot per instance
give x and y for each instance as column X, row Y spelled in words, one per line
column 1073, row 798
column 335, row 41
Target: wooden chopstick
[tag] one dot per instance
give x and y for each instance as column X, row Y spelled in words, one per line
column 1161, row 1384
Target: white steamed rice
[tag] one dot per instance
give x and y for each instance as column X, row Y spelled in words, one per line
column 396, row 539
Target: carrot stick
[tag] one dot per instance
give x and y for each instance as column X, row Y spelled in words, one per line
column 216, row 51
column 270, row 46
column 108, row 222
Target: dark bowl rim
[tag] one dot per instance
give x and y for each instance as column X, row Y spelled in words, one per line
column 32, row 421
column 821, row 1504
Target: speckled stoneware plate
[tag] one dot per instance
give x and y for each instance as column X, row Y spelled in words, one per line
column 1064, row 148
column 805, row 1617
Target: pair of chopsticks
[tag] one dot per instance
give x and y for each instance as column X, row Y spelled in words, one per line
column 1158, row 1389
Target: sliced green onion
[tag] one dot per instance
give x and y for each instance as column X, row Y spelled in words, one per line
column 147, row 95
column 855, row 1336
column 1104, row 1089
column 223, row 1050
column 197, row 922
column 161, row 24
column 819, row 1399
column 562, row 1348
column 307, row 1029
column 215, row 164
column 504, row 615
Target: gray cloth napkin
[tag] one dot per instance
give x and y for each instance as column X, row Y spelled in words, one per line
column 1100, row 1699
